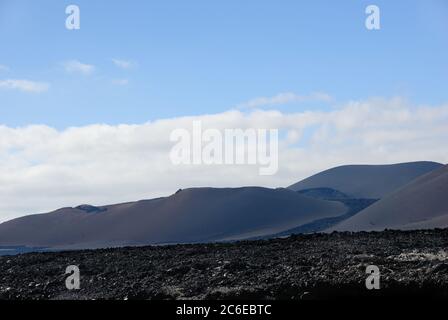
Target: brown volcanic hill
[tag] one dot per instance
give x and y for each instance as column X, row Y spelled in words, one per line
column 191, row 215
column 422, row 204
column 367, row 181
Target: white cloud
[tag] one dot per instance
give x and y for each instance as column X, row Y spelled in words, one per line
column 120, row 82
column 24, row 85
column 284, row 98
column 3, row 68
column 123, row 64
column 74, row 66
column 42, row 168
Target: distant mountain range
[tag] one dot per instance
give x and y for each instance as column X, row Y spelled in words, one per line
column 354, row 197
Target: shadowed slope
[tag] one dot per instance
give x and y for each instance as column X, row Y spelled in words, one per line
column 422, row 204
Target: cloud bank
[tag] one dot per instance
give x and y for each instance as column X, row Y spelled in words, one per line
column 42, row 168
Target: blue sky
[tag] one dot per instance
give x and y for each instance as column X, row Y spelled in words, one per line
column 197, row 57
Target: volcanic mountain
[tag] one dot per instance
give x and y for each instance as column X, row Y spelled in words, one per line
column 422, row 204
column 366, row 181
column 188, row 216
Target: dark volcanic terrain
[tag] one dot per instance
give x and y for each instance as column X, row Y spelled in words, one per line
column 299, row 267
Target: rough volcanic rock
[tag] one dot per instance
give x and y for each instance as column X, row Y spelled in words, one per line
column 299, row 267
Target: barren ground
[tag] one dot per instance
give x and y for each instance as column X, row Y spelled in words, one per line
column 299, row 267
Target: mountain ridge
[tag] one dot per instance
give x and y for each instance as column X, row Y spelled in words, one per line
column 191, row 215
column 367, row 181
column 421, row 204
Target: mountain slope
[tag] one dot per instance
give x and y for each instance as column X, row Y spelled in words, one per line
column 367, row 181
column 191, row 215
column 422, row 204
